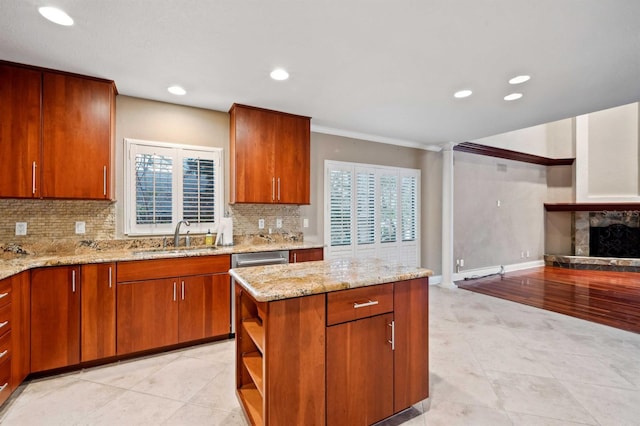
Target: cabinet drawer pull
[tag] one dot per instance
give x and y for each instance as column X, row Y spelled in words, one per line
column 73, row 281
column 182, row 290
column 104, row 180
column 273, row 189
column 3, row 295
column 278, row 189
column 3, row 386
column 2, row 324
column 3, row 353
column 110, row 278
column 393, row 335
column 174, row 291
column 362, row 305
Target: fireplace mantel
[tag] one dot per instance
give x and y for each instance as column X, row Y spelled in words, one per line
column 591, row 207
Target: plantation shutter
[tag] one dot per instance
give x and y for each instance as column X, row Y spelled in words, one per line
column 154, row 188
column 198, row 189
column 340, row 202
column 388, row 208
column 409, row 208
column 366, row 207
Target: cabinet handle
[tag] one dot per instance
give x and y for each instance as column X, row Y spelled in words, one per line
column 174, row 291
column 182, row 290
column 278, row 189
column 3, row 386
column 295, row 257
column 3, row 353
column 110, row 277
column 273, row 189
column 33, row 177
column 2, row 324
column 3, row 295
column 362, row 305
column 104, row 180
column 393, row 335
column 73, row 281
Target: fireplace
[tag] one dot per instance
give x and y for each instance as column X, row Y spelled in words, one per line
column 615, row 240
column 607, row 234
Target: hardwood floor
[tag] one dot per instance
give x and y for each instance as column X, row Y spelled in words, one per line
column 610, row 298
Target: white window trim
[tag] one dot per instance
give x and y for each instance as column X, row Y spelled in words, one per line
column 378, row 248
column 178, row 152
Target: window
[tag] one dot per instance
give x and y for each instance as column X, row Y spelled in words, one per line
column 171, row 182
column 373, row 211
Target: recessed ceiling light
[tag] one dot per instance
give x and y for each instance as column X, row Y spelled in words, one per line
column 519, row 79
column 513, row 96
column 177, row 90
column 279, row 74
column 462, row 93
column 56, row 15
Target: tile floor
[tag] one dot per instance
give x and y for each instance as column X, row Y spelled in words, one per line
column 493, row 362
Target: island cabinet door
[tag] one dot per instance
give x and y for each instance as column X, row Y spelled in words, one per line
column 360, row 371
column 147, row 315
column 411, row 302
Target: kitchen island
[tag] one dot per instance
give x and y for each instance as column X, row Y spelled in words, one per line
column 331, row 342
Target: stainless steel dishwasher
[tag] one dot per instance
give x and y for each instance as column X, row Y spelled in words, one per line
column 244, row 260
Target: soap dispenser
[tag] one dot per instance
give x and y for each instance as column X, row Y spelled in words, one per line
column 208, row 239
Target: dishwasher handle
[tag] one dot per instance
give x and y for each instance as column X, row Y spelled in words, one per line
column 270, row 261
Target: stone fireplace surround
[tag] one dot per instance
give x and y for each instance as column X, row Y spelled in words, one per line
column 583, row 221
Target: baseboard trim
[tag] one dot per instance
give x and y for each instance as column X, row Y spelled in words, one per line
column 481, row 272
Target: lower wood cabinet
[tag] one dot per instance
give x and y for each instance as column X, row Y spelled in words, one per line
column 55, row 317
column 158, row 312
column 97, row 311
column 306, row 255
column 360, row 371
column 60, row 297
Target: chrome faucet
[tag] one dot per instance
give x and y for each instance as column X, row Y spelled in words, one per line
column 176, row 234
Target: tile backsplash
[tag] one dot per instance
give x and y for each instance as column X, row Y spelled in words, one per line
column 55, row 219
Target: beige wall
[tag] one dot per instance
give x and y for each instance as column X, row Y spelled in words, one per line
column 613, row 152
column 553, row 140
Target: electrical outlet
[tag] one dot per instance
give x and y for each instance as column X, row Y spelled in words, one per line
column 461, row 263
column 498, row 203
column 528, row 254
column 260, row 223
column 21, row 228
column 80, row 228
column 305, row 223
column 278, row 223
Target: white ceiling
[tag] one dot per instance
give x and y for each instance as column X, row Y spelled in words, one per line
column 362, row 67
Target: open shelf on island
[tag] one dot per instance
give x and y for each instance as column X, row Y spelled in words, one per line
column 253, row 363
column 252, row 400
column 254, row 329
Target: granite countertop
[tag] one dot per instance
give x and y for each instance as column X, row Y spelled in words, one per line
column 275, row 282
column 20, row 263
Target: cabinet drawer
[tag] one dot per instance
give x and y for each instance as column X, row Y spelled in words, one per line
column 5, row 319
column 139, row 270
column 5, row 380
column 5, row 292
column 363, row 302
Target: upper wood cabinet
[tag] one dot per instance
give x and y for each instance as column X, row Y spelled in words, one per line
column 270, row 156
column 76, row 137
column 56, row 134
column 20, row 128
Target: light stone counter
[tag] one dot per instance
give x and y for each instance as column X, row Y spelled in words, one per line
column 20, row 263
column 275, row 282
